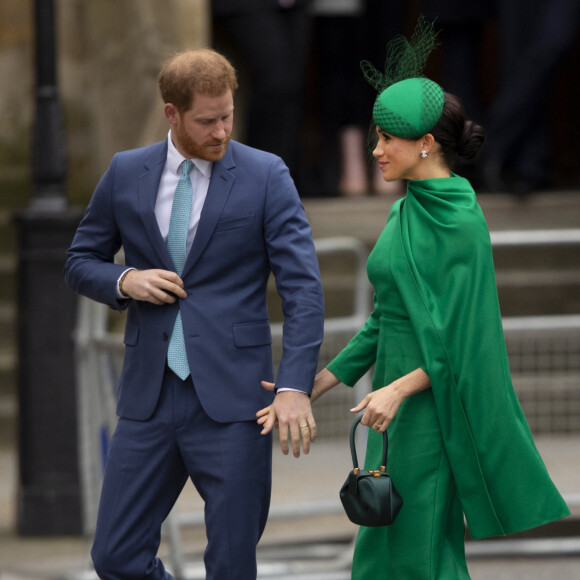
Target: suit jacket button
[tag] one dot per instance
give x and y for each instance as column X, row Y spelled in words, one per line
column 165, row 336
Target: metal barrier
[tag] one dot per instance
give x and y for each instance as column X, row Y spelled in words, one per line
column 544, row 351
column 544, row 355
column 502, row 239
column 538, row 347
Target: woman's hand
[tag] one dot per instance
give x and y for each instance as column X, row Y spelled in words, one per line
column 264, row 414
column 323, row 381
column 382, row 405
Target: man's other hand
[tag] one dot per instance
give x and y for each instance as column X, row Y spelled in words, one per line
column 155, row 286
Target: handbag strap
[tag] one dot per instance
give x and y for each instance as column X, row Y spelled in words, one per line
column 383, row 465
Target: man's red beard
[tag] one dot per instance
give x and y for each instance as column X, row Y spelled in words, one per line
column 204, row 151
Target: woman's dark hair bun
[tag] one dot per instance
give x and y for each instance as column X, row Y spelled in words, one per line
column 457, row 136
column 471, row 140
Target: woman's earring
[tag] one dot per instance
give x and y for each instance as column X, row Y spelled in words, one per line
column 424, row 154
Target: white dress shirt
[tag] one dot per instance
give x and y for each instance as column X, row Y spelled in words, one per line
column 199, row 175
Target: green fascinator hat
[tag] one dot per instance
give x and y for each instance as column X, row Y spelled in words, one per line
column 409, row 108
column 408, row 104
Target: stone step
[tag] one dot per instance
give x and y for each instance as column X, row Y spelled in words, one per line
column 520, row 294
column 539, row 293
column 365, row 217
column 559, row 257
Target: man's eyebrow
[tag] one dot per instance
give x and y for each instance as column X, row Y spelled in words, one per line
column 214, row 117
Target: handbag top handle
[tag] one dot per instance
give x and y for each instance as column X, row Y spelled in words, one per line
column 383, row 466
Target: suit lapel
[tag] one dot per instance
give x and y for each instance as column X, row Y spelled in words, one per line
column 220, row 185
column 147, row 195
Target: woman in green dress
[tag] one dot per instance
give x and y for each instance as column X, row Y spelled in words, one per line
column 459, row 444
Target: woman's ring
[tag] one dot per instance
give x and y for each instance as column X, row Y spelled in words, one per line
column 303, row 426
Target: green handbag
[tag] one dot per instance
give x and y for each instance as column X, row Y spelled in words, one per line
column 370, row 497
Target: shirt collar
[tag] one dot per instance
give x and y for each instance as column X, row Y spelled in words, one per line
column 175, row 158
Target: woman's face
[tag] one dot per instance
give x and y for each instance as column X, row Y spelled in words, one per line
column 397, row 158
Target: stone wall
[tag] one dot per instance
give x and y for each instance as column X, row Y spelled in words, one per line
column 15, row 98
column 109, row 53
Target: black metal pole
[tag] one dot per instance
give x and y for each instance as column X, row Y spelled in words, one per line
column 49, row 498
column 49, row 150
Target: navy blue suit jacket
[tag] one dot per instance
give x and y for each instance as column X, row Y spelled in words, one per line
column 252, row 224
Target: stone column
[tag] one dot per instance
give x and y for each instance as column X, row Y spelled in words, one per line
column 126, row 44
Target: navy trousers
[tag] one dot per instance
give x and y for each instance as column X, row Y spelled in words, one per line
column 147, row 466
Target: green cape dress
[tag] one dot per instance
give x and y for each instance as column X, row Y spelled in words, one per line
column 462, row 447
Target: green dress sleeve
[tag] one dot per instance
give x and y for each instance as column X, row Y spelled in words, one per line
column 360, row 354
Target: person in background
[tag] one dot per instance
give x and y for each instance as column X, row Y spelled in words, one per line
column 203, row 220
column 344, row 166
column 459, row 444
column 271, row 39
column 535, row 38
column 463, row 29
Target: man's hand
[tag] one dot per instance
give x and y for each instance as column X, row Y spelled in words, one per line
column 155, row 286
column 291, row 411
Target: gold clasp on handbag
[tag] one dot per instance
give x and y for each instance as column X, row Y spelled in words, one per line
column 375, row 472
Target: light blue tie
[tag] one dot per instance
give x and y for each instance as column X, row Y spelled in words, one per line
column 177, row 245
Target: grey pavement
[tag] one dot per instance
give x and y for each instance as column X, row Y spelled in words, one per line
column 296, row 545
column 308, row 537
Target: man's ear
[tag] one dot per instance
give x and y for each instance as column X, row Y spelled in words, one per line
column 171, row 113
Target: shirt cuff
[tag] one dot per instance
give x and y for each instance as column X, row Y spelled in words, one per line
column 289, row 389
column 120, row 295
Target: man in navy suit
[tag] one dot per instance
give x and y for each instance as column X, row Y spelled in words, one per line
column 245, row 222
